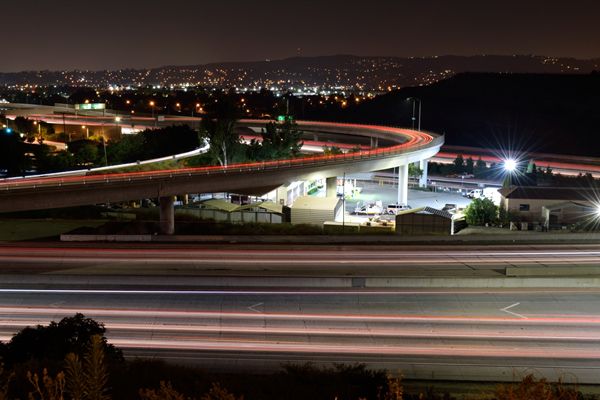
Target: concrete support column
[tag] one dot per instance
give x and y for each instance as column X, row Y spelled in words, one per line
column 331, row 186
column 403, row 184
column 423, row 164
column 374, row 142
column 167, row 215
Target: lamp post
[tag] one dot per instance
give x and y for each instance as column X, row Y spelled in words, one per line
column 414, row 100
column 87, row 131
column 104, row 145
column 344, row 203
column 152, row 103
column 510, row 165
column 39, row 126
column 117, row 120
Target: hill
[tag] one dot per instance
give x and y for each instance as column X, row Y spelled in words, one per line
column 349, row 72
column 539, row 112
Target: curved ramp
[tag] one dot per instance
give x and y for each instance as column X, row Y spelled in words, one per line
column 256, row 177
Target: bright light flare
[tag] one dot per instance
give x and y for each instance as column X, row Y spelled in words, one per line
column 510, row 165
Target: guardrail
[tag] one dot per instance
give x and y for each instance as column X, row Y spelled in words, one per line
column 417, row 140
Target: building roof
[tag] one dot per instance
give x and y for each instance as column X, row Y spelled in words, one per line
column 221, row 205
column 265, row 205
column 550, row 193
column 316, row 203
column 224, row 205
column 568, row 204
column 427, row 210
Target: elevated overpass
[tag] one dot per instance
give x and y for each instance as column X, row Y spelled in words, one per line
column 406, row 146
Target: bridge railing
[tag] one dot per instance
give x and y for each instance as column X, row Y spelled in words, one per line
column 416, row 141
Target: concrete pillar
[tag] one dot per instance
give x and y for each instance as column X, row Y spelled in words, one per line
column 423, row 179
column 185, row 199
column 403, row 184
column 374, row 142
column 167, row 215
column 331, row 186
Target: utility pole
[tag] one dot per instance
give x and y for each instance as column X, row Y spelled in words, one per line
column 104, row 145
column 413, row 115
column 420, row 106
column 344, row 203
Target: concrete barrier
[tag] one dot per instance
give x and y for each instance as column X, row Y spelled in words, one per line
column 578, row 270
column 105, row 238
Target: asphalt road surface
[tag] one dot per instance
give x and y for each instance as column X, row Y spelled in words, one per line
column 425, row 333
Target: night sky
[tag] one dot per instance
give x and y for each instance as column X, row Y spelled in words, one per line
column 108, row 34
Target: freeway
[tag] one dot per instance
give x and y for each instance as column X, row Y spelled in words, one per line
column 300, row 261
column 155, row 302
column 445, row 334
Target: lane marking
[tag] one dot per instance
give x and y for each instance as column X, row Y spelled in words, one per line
column 253, row 307
column 507, row 310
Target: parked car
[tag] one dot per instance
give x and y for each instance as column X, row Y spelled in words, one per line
column 450, row 207
column 396, row 208
column 369, row 208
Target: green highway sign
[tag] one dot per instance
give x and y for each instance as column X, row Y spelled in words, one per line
column 91, row 106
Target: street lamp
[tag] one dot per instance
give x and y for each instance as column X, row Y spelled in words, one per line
column 414, row 100
column 117, row 120
column 39, row 126
column 87, row 131
column 104, row 145
column 510, row 165
column 152, row 103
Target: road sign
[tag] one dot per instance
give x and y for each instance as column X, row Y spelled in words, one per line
column 91, row 106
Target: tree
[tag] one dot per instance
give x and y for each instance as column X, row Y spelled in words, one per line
column 480, row 164
column 280, row 140
column 219, row 128
column 164, row 392
column 13, row 151
column 95, row 371
column 52, row 343
column 24, row 125
column 469, row 165
column 85, row 152
column 217, row 392
column 49, row 388
column 458, row 164
column 481, row 212
column 75, row 377
column 332, row 151
column 414, row 171
column 395, row 390
column 532, row 389
column 152, row 143
column 5, row 379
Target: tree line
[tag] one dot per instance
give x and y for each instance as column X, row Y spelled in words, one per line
column 22, row 152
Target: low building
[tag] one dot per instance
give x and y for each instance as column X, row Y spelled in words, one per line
column 567, row 213
column 225, row 211
column 315, row 210
column 424, row 221
column 549, row 205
